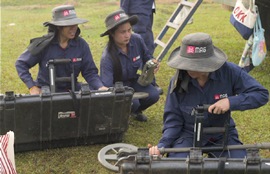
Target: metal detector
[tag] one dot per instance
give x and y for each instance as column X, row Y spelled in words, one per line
column 129, row 159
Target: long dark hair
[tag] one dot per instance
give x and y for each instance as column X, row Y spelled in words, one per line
column 113, row 51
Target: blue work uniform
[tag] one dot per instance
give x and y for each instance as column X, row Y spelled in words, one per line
column 82, row 62
column 144, row 9
column 231, row 82
column 137, row 56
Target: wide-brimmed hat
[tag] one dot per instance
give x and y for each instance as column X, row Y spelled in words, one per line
column 197, row 53
column 116, row 18
column 64, row 15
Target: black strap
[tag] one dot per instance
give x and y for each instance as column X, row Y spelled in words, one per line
column 76, row 103
column 221, row 165
column 38, row 44
column 180, row 82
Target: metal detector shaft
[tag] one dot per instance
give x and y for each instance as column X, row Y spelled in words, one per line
column 207, row 149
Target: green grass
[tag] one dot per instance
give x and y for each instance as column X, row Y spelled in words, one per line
column 28, row 16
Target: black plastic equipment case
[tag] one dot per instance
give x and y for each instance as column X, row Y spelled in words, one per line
column 53, row 120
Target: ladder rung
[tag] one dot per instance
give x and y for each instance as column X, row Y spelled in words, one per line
column 162, row 44
column 175, row 23
column 187, row 3
column 172, row 25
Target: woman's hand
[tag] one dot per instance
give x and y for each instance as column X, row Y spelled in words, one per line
column 220, row 107
column 158, row 65
column 34, row 90
column 153, row 150
column 103, row 88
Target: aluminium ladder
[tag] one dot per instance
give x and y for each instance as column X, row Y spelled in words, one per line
column 190, row 8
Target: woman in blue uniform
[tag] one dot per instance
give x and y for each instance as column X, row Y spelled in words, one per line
column 61, row 42
column 145, row 10
column 123, row 56
column 204, row 76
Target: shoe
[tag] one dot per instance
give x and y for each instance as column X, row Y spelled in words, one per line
column 139, row 116
column 159, row 89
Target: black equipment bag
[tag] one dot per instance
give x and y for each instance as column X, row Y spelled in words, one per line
column 53, row 120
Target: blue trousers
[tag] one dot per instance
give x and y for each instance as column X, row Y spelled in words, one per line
column 188, row 142
column 139, row 105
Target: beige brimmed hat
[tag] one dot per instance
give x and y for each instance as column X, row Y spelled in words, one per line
column 116, row 18
column 197, row 53
column 65, row 15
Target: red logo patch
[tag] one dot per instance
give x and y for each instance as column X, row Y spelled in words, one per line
column 217, row 97
column 117, row 17
column 66, row 12
column 191, row 49
column 72, row 115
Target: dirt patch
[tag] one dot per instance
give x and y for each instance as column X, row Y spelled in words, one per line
column 117, row 3
column 28, row 7
column 166, row 1
column 227, row 7
column 177, row 1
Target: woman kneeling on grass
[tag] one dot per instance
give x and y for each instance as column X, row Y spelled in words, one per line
column 124, row 55
column 203, row 76
column 61, row 42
